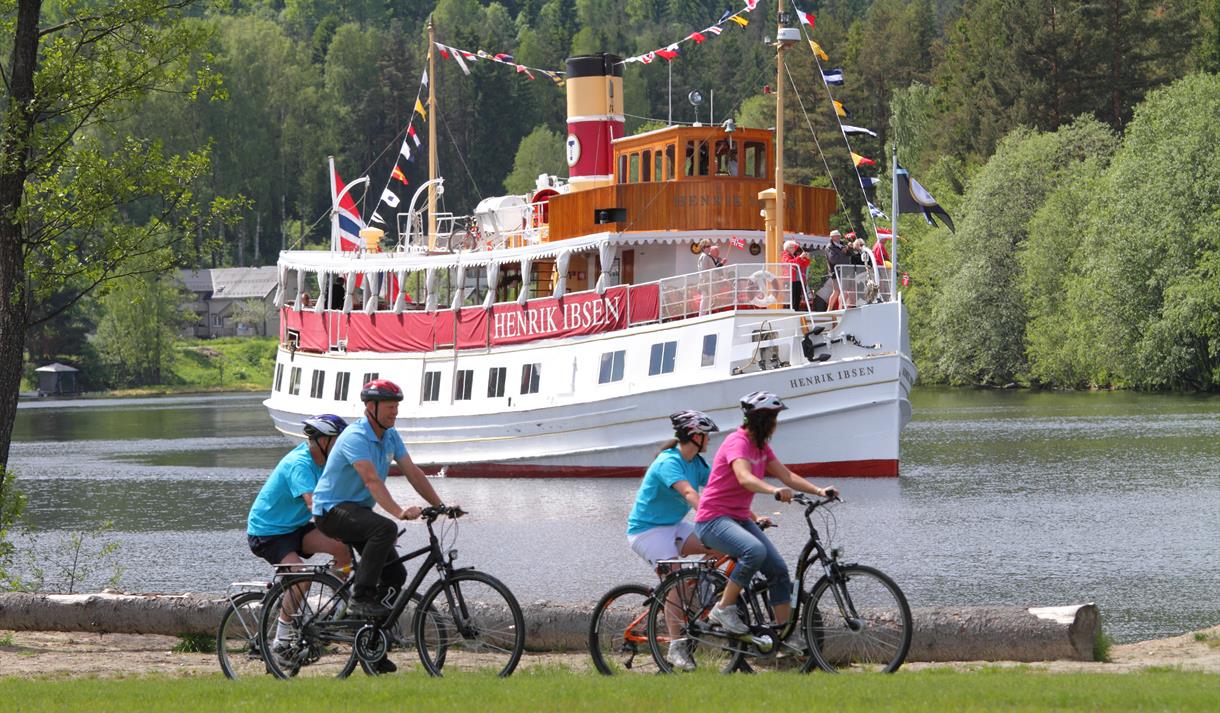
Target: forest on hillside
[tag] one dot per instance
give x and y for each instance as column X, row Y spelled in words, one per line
column 1073, row 143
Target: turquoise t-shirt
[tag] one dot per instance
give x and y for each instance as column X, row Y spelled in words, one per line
column 279, row 507
column 657, row 503
column 340, row 483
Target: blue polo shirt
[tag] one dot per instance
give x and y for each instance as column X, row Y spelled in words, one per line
column 279, row 507
column 340, row 483
column 657, row 503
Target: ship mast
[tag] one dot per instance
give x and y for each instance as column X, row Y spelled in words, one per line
column 432, row 119
column 785, row 37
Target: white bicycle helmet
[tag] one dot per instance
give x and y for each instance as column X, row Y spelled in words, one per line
column 689, row 422
column 761, row 401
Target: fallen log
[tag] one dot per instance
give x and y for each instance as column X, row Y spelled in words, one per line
column 1001, row 633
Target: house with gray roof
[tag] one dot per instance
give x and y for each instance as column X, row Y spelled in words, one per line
column 232, row 301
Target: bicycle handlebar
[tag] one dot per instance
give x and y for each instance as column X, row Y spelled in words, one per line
column 433, row 512
column 813, row 502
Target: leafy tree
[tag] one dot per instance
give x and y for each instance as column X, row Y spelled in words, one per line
column 979, row 317
column 67, row 183
column 143, row 315
column 540, row 152
column 1150, row 294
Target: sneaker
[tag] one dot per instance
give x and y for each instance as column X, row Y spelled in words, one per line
column 679, row 655
column 728, row 620
column 385, row 665
column 359, row 609
column 794, row 645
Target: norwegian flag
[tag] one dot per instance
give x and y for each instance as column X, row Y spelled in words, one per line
column 350, row 221
column 739, row 243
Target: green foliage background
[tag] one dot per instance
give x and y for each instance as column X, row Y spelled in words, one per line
column 1073, row 143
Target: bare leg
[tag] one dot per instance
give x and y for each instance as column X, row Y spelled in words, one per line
column 315, row 542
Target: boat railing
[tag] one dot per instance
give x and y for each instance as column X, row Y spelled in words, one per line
column 732, row 287
column 863, row 284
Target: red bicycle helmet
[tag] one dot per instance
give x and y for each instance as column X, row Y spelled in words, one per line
column 381, row 390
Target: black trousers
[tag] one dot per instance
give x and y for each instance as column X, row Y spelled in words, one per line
column 373, row 536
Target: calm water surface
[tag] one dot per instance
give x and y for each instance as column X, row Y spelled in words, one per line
column 1006, row 498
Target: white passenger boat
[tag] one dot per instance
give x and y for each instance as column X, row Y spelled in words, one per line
column 551, row 334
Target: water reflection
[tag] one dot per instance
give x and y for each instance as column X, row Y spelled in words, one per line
column 1006, row 497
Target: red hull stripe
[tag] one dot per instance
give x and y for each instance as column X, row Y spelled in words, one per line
column 835, row 469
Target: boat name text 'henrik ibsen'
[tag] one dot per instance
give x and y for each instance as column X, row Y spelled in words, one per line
column 586, row 315
column 842, row 375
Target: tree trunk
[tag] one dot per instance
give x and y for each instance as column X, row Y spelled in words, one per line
column 14, row 169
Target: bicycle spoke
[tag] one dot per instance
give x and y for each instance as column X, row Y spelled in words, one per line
column 306, row 633
column 237, row 642
column 876, row 638
column 618, row 637
column 470, row 623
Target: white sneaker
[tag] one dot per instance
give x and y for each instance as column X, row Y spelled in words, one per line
column 728, row 620
column 679, row 655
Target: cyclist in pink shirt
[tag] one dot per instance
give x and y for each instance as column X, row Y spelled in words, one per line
column 724, row 521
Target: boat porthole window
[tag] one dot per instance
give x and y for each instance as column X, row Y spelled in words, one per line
column 495, row 381
column 279, row 377
column 294, row 381
column 611, row 367
column 342, row 381
column 463, row 384
column 317, row 384
column 709, row 350
column 530, row 376
column 432, row 386
column 661, row 358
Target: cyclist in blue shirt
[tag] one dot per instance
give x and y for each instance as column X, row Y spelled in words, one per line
column 656, row 528
column 353, row 481
column 278, row 528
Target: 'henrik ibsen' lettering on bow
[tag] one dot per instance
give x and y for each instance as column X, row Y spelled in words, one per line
column 595, row 314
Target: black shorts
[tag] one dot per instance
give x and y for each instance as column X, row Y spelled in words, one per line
column 274, row 548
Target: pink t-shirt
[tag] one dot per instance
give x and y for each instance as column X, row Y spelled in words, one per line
column 723, row 494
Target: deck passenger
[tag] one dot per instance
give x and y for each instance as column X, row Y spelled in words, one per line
column 657, row 529
column 795, row 256
column 725, row 522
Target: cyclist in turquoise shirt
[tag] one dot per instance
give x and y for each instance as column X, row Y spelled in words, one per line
column 353, row 481
column 656, row 528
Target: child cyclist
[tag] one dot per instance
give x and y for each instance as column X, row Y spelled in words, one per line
column 724, row 521
column 656, row 528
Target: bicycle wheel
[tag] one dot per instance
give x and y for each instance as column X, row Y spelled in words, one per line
column 618, row 631
column 678, row 616
column 238, row 645
column 469, row 622
column 317, row 641
column 860, row 621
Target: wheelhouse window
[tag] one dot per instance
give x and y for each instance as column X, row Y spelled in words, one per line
column 279, row 377
column 726, row 158
column 756, row 159
column 661, row 359
column 432, row 386
column 611, row 367
column 342, row 381
column 294, row 381
column 622, row 169
column 530, row 376
column 463, row 384
column 633, row 168
column 646, row 167
column 709, row 350
column 496, row 376
column 671, row 161
column 317, row 383
column 696, row 158
column 658, row 166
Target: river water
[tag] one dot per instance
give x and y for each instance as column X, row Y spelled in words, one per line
column 1006, row 498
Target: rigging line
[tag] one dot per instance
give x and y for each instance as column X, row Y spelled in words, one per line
column 818, row 144
column 401, row 135
column 461, row 158
column 838, row 120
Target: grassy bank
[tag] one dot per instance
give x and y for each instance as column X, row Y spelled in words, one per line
column 553, row 690
column 228, row 364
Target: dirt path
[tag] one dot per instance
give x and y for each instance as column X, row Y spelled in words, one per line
column 62, row 655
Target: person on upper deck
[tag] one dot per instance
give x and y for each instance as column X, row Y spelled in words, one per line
column 656, row 528
column 354, row 480
column 725, row 522
column 836, row 254
column 795, row 256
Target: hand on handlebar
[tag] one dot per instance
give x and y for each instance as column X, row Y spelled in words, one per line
column 410, row 513
column 830, row 492
column 764, row 522
column 783, row 495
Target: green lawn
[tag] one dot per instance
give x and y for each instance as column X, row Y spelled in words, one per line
column 553, row 690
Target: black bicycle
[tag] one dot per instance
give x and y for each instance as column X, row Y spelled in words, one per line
column 853, row 618
column 466, row 621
